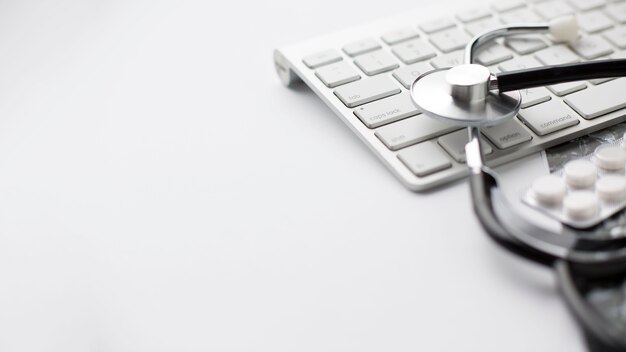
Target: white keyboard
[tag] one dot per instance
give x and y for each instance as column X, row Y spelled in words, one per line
column 363, row 74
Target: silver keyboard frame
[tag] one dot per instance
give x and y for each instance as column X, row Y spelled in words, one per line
column 291, row 70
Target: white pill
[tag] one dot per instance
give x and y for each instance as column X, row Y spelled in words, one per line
column 610, row 158
column 611, row 188
column 581, row 205
column 580, row 173
column 549, row 190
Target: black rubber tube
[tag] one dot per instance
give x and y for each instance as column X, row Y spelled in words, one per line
column 547, row 75
column 481, row 186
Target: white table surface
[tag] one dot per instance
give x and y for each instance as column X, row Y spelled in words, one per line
column 161, row 191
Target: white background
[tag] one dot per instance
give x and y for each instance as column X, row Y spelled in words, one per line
column 161, row 191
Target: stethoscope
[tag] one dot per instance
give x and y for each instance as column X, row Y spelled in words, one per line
column 470, row 95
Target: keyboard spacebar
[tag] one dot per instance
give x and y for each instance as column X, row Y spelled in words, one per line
column 413, row 130
column 599, row 100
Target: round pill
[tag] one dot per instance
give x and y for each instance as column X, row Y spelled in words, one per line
column 580, row 173
column 610, row 158
column 549, row 190
column 581, row 205
column 611, row 188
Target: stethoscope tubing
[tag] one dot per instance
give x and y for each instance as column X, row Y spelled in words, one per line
column 548, row 75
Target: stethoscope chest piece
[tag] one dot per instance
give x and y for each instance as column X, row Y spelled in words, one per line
column 461, row 96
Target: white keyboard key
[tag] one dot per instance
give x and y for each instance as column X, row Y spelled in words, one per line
column 361, row 47
column 507, row 134
column 399, row 35
column 519, row 63
column 448, row 60
column 522, row 15
column 413, row 51
column 366, row 90
column 508, row 5
column 337, row 74
column 586, row 5
column 534, row 96
column 376, row 62
column 553, row 9
column 617, row 36
column 525, row 45
column 600, row 100
column 437, row 25
column 491, row 54
column 454, row 144
column 413, row 130
column 564, row 89
column 408, row 74
column 548, row 118
column 450, row 40
column 424, row 159
column 322, row 58
column 386, row 110
column 617, row 11
column 556, row 55
column 592, row 47
column 473, row 15
column 594, row 21
column 477, row 27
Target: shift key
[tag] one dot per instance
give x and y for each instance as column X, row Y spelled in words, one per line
column 548, row 117
column 413, row 130
column 367, row 90
column 599, row 100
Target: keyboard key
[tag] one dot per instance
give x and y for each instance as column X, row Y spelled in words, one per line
column 399, row 35
column 491, row 54
column 564, row 89
column 592, row 47
column 519, row 63
column 617, row 11
column 437, row 25
column 413, row 130
column 450, row 40
column 477, row 27
column 361, row 47
column 586, row 5
column 448, row 60
column 617, row 36
column 454, row 144
column 508, row 5
column 534, row 96
column 473, row 15
column 522, row 15
column 337, row 74
column 366, row 90
column 413, row 51
column 556, row 55
column 376, row 62
column 600, row 100
column 548, row 118
column 386, row 110
column 424, row 159
column 553, row 9
column 594, row 21
column 322, row 58
column 525, row 45
column 507, row 134
column 408, row 74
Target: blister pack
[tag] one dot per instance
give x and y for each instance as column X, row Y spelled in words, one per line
column 585, row 191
